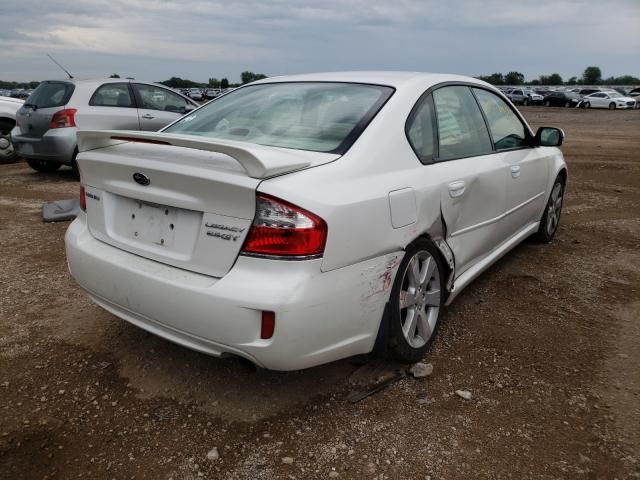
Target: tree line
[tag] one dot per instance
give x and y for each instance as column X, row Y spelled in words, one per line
column 245, row 77
column 591, row 76
column 17, row 85
column 173, row 82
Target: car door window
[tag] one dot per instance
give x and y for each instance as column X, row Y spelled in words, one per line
column 112, row 95
column 505, row 127
column 420, row 130
column 461, row 129
column 157, row 98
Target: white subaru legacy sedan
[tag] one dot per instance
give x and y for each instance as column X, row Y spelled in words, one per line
column 299, row 220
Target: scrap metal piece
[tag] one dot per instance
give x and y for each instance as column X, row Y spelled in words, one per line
column 60, row 210
column 376, row 387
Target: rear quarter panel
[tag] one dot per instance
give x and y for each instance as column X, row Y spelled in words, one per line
column 352, row 193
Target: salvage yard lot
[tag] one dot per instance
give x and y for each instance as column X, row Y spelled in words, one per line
column 547, row 341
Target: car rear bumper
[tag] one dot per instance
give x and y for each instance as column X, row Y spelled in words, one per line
column 320, row 317
column 57, row 145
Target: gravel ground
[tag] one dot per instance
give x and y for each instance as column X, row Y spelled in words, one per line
column 547, row 342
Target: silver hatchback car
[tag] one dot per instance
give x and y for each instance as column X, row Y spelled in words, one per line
column 46, row 125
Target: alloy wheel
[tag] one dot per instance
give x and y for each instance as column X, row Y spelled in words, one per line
column 420, row 296
column 554, row 208
column 6, row 147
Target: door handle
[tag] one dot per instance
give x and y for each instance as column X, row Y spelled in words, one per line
column 515, row 171
column 456, row 189
column 148, row 116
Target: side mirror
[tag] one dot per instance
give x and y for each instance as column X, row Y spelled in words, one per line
column 189, row 108
column 549, row 137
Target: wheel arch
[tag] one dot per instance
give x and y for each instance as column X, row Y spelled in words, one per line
column 8, row 120
column 436, row 235
column 563, row 173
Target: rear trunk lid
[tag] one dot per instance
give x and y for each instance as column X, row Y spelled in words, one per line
column 177, row 199
column 35, row 115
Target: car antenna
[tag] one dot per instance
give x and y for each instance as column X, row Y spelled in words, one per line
column 63, row 69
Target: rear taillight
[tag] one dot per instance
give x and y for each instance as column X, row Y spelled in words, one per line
column 83, row 198
column 284, row 230
column 64, row 118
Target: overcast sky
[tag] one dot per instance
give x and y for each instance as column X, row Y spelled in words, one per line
column 198, row 39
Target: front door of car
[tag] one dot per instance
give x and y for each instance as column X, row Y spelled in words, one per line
column 473, row 191
column 158, row 107
column 527, row 167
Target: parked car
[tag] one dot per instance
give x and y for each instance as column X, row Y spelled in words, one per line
column 543, row 91
column 524, row 96
column 211, row 93
column 300, row 220
column 8, row 108
column 585, row 91
column 636, row 97
column 608, row 99
column 562, row 99
column 18, row 93
column 45, row 135
column 195, row 94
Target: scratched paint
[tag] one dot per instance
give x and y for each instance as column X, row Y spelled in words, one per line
column 380, row 277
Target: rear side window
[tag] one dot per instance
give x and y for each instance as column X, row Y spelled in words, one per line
column 157, row 98
column 505, row 127
column 50, row 94
column 112, row 95
column 420, row 131
column 461, row 129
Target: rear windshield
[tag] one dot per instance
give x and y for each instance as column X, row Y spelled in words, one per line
column 50, row 94
column 320, row 117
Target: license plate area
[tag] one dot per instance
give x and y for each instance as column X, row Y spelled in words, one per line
column 162, row 229
column 152, row 223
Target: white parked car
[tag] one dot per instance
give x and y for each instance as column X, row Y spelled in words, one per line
column 524, row 96
column 195, row 94
column 8, row 108
column 300, row 220
column 608, row 99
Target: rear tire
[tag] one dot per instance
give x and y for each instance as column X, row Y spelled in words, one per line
column 567, row 104
column 547, row 103
column 416, row 301
column 552, row 211
column 43, row 166
column 7, row 152
column 587, row 105
column 74, row 165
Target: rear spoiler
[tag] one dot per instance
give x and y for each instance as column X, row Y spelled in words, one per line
column 258, row 160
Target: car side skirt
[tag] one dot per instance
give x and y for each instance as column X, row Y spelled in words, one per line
column 472, row 273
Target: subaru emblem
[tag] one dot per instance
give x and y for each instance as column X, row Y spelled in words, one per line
column 141, row 179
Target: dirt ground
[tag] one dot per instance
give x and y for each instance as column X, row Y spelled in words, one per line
column 547, row 341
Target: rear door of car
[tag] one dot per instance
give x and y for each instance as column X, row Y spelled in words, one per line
column 35, row 115
column 473, row 193
column 158, row 107
column 111, row 107
column 556, row 99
